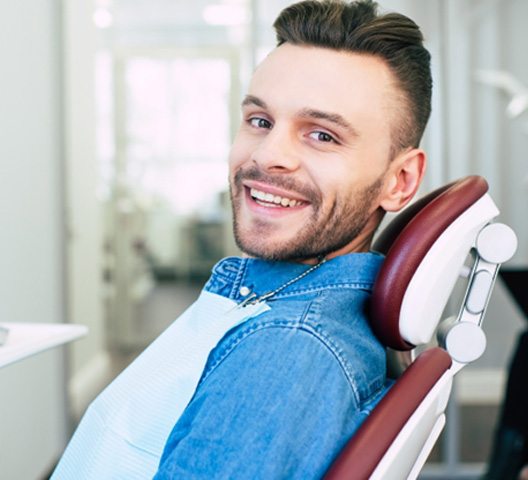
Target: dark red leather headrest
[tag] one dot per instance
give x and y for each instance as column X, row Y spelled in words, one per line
column 405, row 242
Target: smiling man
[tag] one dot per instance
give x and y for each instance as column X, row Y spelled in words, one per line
column 274, row 367
column 329, row 142
column 312, row 167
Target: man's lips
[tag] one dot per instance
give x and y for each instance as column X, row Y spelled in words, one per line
column 273, row 196
column 261, row 201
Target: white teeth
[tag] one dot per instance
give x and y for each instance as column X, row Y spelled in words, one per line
column 258, row 194
column 273, row 199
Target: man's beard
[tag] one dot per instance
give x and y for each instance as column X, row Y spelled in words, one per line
column 322, row 234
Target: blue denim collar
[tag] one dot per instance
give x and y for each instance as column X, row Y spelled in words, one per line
column 261, row 276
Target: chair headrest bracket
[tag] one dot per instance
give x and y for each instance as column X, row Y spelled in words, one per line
column 462, row 336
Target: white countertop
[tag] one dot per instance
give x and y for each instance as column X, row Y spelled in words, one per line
column 26, row 339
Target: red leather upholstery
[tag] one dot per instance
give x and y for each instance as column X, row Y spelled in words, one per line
column 405, row 241
column 364, row 451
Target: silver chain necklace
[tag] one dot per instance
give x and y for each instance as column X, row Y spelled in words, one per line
column 253, row 299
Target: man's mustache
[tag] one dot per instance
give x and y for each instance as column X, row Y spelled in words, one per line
column 280, row 181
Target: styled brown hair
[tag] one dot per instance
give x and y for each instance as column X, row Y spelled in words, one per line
column 357, row 27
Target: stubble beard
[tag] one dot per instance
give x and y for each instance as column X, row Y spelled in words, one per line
column 321, row 235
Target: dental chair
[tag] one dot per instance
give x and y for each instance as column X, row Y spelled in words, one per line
column 427, row 247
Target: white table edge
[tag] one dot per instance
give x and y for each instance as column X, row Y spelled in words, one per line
column 27, row 339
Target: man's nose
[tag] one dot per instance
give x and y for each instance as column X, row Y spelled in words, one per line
column 277, row 152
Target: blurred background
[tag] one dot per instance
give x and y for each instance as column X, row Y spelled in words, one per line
column 116, row 118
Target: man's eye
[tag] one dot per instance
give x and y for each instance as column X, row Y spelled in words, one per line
column 322, row 137
column 259, row 122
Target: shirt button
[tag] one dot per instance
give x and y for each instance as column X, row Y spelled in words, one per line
column 244, row 291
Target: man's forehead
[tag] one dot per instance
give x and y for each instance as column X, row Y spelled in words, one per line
column 323, row 68
column 290, row 55
column 306, row 77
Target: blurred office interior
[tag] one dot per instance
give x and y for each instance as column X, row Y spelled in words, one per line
column 116, row 118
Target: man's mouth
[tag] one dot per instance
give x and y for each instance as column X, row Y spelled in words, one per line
column 269, row 200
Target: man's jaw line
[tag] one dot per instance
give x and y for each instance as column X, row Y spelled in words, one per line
column 262, row 217
column 361, row 243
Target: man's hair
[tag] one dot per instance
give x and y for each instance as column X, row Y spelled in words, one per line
column 357, row 27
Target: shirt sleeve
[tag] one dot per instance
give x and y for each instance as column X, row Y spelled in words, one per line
column 278, row 406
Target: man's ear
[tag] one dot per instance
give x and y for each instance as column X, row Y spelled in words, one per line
column 403, row 178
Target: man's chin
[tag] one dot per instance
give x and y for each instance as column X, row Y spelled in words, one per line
column 261, row 249
column 277, row 241
column 270, row 250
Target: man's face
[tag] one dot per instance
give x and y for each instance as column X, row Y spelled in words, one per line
column 308, row 165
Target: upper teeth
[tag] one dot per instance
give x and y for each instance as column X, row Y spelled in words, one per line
column 270, row 198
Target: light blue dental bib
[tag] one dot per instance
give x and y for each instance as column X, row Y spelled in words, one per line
column 123, row 432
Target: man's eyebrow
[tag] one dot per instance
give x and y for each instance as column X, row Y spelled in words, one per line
column 331, row 117
column 252, row 100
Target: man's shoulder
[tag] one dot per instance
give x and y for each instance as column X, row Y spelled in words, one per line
column 339, row 318
column 331, row 320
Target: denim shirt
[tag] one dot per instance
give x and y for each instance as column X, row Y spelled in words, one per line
column 283, row 392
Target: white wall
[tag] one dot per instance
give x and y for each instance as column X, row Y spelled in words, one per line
column 32, row 410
